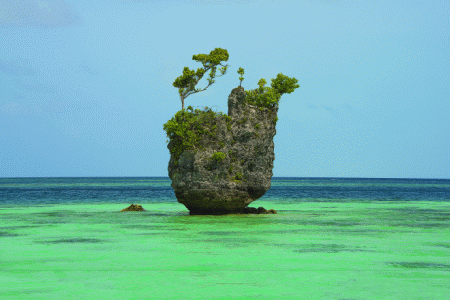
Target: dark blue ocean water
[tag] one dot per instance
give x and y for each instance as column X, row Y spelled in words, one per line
column 35, row 191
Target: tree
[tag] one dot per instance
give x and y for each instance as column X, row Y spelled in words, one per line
column 284, row 85
column 186, row 82
column 241, row 72
column 266, row 96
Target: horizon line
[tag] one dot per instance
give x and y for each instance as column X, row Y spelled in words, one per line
column 324, row 177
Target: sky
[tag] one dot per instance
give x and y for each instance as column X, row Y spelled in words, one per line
column 86, row 85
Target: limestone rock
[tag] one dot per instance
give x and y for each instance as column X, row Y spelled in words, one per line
column 134, row 207
column 209, row 186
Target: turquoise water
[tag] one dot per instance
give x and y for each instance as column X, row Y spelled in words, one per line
column 333, row 238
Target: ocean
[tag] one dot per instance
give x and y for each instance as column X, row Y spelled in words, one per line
column 332, row 238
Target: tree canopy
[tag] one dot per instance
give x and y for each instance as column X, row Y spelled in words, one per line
column 186, row 82
column 262, row 96
column 265, row 96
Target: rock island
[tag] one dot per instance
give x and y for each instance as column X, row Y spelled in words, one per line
column 220, row 163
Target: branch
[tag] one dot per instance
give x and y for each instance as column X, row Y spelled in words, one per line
column 186, row 82
column 191, row 89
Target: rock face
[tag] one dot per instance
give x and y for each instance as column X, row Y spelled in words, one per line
column 134, row 207
column 206, row 185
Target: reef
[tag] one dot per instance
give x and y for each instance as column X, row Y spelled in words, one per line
column 134, row 207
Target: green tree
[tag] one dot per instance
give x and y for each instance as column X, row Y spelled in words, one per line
column 284, row 85
column 241, row 72
column 186, row 82
column 265, row 96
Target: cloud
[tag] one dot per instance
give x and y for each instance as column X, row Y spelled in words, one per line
column 37, row 13
column 331, row 109
column 27, row 96
column 337, row 3
column 38, row 88
column 346, row 106
column 88, row 69
column 14, row 108
column 36, row 105
column 311, row 106
column 328, row 108
column 14, row 68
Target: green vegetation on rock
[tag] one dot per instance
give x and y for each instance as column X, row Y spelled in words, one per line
column 218, row 156
column 187, row 126
column 268, row 97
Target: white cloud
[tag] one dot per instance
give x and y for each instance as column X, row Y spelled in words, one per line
column 37, row 13
column 14, row 108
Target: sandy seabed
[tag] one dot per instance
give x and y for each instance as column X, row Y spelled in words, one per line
column 323, row 250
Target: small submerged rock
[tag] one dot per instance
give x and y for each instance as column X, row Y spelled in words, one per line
column 134, row 207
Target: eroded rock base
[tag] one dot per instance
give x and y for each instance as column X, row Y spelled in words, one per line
column 244, row 211
column 258, row 211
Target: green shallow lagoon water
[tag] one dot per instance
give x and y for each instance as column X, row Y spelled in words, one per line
column 309, row 250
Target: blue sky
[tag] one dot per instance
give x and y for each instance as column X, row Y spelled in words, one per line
column 86, row 86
